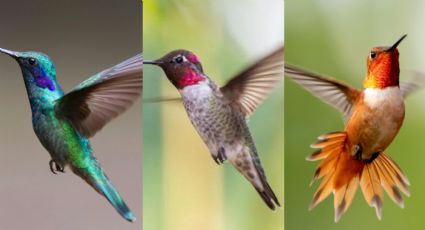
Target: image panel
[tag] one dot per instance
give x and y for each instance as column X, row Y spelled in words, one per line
column 209, row 66
column 353, row 115
column 61, row 134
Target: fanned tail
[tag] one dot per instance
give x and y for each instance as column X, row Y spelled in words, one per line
column 383, row 171
column 342, row 174
column 99, row 181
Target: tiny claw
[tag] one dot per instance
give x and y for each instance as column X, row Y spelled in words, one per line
column 221, row 156
column 216, row 160
column 373, row 157
column 55, row 167
column 51, row 162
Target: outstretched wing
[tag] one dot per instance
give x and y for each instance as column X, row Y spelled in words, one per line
column 334, row 93
column 104, row 96
column 250, row 87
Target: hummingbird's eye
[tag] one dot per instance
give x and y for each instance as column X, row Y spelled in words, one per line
column 372, row 55
column 179, row 59
column 32, row 61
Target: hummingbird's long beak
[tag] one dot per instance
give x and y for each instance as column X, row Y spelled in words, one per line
column 396, row 43
column 149, row 62
column 8, row 52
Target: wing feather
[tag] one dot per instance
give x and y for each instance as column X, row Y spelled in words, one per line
column 99, row 99
column 251, row 87
column 334, row 93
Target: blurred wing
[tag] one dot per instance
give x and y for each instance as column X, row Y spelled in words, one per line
column 415, row 83
column 334, row 93
column 160, row 99
column 250, row 87
column 99, row 99
column 407, row 88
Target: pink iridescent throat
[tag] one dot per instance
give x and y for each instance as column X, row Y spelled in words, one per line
column 190, row 78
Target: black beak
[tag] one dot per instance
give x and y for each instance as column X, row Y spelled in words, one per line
column 149, row 62
column 8, row 52
column 396, row 43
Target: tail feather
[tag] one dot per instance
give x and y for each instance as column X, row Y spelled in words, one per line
column 371, row 188
column 250, row 167
column 326, row 145
column 396, row 173
column 100, row 182
column 268, row 196
column 390, row 178
column 327, row 166
column 342, row 175
column 344, row 196
column 324, row 190
column 393, row 191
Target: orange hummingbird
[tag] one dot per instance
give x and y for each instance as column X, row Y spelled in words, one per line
column 373, row 117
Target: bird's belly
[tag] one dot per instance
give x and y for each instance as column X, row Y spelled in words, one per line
column 58, row 138
column 216, row 123
column 377, row 121
column 209, row 122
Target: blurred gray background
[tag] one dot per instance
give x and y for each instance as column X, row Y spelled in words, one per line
column 83, row 37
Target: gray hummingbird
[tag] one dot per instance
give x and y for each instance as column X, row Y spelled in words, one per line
column 64, row 122
column 219, row 114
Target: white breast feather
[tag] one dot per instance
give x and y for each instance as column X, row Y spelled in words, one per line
column 196, row 92
column 376, row 97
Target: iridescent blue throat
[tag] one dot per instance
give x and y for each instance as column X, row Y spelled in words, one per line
column 41, row 79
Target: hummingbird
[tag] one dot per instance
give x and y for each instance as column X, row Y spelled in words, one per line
column 373, row 116
column 219, row 114
column 64, row 122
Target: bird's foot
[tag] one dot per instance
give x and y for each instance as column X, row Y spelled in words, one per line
column 221, row 156
column 55, row 167
column 358, row 152
column 373, row 157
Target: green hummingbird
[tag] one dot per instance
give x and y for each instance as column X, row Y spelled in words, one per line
column 220, row 114
column 64, row 122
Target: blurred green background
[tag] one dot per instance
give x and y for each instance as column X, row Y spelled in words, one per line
column 333, row 38
column 183, row 186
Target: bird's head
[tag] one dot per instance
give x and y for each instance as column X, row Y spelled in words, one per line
column 37, row 68
column 182, row 68
column 383, row 66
